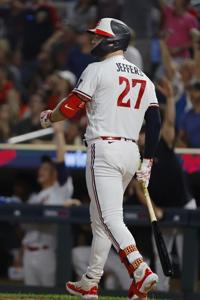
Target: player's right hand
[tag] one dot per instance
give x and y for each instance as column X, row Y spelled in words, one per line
column 144, row 172
column 45, row 118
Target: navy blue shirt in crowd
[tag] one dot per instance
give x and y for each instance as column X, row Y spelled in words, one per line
column 190, row 123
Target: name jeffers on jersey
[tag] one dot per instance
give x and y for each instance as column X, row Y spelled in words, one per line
column 128, row 68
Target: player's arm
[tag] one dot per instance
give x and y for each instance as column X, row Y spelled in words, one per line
column 67, row 108
column 152, row 132
column 76, row 101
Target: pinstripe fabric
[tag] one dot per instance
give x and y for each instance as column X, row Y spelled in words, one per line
column 115, row 243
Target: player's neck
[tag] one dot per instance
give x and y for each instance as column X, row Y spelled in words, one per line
column 118, row 52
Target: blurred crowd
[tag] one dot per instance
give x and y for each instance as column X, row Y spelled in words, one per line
column 44, row 48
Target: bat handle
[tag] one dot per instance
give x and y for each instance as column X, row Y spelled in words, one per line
column 149, row 204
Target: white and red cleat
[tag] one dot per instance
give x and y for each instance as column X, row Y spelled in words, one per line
column 85, row 288
column 136, row 298
column 145, row 281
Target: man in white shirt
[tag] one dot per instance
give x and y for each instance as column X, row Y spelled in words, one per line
column 118, row 97
column 39, row 242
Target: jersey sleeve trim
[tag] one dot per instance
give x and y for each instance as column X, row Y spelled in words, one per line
column 154, row 104
column 85, row 97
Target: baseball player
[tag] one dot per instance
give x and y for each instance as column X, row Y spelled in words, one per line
column 118, row 97
column 39, row 242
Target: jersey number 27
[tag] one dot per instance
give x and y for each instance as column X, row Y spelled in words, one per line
column 128, row 85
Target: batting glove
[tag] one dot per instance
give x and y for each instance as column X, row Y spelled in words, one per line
column 45, row 118
column 144, row 173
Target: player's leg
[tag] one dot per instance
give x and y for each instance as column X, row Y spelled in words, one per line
column 122, row 239
column 101, row 245
column 114, row 267
column 108, row 168
column 88, row 285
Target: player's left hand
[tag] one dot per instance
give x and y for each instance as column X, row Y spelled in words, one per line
column 144, row 172
column 45, row 118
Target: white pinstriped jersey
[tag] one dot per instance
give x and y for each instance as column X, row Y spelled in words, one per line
column 118, row 95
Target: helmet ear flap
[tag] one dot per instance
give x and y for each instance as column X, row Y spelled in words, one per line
column 109, row 45
column 102, row 49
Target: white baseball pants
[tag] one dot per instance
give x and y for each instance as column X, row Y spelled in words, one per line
column 109, row 169
column 39, row 267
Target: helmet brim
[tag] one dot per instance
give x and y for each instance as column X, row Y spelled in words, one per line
column 100, row 32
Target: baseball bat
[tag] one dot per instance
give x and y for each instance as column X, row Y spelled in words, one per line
column 160, row 243
column 30, row 135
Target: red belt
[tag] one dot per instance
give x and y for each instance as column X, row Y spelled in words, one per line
column 32, row 248
column 116, row 138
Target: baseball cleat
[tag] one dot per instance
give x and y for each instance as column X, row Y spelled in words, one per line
column 145, row 281
column 84, row 288
column 136, row 298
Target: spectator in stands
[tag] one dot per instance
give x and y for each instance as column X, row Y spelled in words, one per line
column 181, row 76
column 8, row 94
column 10, row 237
column 132, row 53
column 5, row 123
column 22, row 187
column 83, row 14
column 38, row 26
column 189, row 136
column 189, row 133
column 12, row 16
column 45, row 67
column 6, row 62
column 37, row 19
column 58, row 85
column 52, row 9
column 31, row 122
column 5, row 85
column 111, row 8
column 39, row 242
column 177, row 25
column 60, row 44
column 80, row 56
